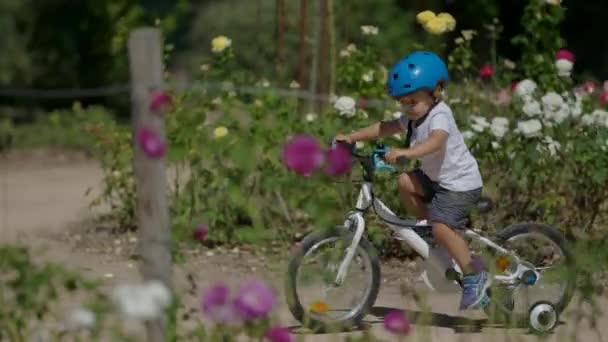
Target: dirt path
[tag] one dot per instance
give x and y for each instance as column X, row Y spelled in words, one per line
column 42, row 203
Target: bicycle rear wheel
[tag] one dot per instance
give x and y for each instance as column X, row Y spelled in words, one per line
column 545, row 249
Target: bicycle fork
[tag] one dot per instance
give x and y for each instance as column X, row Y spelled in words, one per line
column 356, row 220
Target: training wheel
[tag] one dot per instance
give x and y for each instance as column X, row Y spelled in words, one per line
column 542, row 317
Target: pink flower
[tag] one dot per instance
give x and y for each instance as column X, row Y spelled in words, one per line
column 200, row 232
column 339, row 161
column 514, row 85
column 255, row 299
column 486, row 71
column 362, row 102
column 215, row 304
column 503, row 97
column 589, row 87
column 396, row 322
column 303, row 155
column 159, row 100
column 603, row 98
column 278, row 334
column 564, row 54
column 151, row 143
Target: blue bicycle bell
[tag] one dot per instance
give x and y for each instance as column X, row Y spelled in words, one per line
column 379, row 163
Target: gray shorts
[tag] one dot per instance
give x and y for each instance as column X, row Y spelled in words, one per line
column 446, row 206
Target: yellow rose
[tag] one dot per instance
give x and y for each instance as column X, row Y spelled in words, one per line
column 436, row 26
column 220, row 43
column 449, row 20
column 220, row 132
column 425, row 16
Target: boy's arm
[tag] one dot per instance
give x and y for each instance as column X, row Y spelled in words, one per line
column 435, row 141
column 377, row 130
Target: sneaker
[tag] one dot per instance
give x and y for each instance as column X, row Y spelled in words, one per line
column 474, row 288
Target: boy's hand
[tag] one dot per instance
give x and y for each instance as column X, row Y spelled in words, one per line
column 344, row 138
column 394, row 154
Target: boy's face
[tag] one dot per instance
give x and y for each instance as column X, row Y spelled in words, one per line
column 416, row 104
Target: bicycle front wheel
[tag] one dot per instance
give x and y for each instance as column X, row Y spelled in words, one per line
column 312, row 295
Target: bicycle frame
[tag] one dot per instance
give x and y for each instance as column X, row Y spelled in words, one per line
column 356, row 222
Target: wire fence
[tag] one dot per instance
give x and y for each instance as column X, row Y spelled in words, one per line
column 123, row 89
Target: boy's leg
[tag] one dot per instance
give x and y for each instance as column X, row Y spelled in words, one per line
column 414, row 193
column 446, row 211
column 456, row 246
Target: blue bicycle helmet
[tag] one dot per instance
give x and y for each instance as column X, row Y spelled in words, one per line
column 418, row 70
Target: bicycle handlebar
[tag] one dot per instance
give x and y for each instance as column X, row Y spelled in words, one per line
column 375, row 158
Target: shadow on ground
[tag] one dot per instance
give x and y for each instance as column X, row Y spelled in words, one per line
column 457, row 323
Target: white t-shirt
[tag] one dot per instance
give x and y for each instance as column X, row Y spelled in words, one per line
column 453, row 166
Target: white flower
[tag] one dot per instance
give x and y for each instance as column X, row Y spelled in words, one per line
column 294, row 85
column 554, row 2
column 480, row 120
column 142, row 302
column 217, row 101
column 345, row 106
column 258, row 103
column 525, row 87
column 529, row 128
column 600, row 117
column 397, row 115
column 552, row 101
column 310, row 117
column 205, row 67
column 532, row 108
column 455, row 100
column 468, row 34
column 552, row 145
column 351, row 47
column 368, row 76
column 467, row 135
column 564, row 67
column 264, row 83
column 509, row 64
column 587, row 120
column 80, row 318
column 576, row 108
column 495, row 145
column 359, row 144
column 369, row 30
column 344, row 53
column 500, row 126
column 559, row 115
column 479, row 123
column 477, row 127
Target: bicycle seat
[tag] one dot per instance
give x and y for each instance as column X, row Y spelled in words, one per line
column 484, row 205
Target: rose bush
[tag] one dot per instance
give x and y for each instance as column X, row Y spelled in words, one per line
column 540, row 141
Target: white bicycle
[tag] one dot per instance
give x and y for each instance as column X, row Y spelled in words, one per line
column 329, row 263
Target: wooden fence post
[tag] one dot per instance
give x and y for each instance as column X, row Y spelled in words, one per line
column 152, row 212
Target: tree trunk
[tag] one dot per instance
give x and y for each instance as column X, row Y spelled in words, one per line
column 332, row 46
column 314, row 70
column 302, row 44
column 281, row 15
column 323, row 51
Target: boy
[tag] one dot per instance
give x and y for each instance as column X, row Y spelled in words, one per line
column 448, row 183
